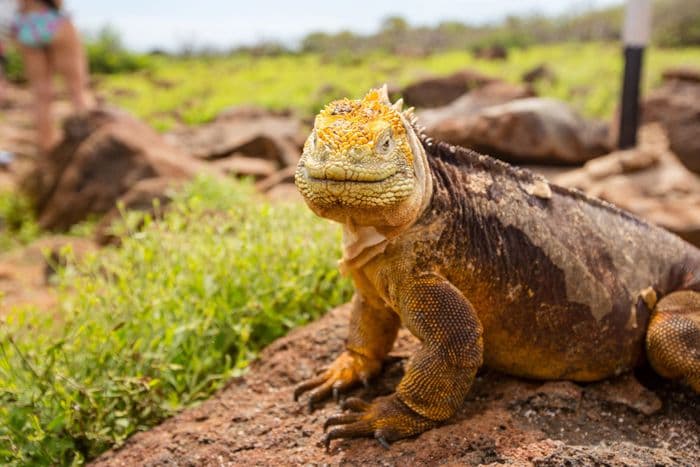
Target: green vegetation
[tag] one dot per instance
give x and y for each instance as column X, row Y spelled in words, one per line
column 14, row 70
column 17, row 223
column 182, row 90
column 161, row 322
column 107, row 54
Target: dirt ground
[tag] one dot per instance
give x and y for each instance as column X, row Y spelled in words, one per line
column 17, row 130
column 254, row 421
column 26, row 273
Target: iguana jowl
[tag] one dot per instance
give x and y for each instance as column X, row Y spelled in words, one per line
column 486, row 264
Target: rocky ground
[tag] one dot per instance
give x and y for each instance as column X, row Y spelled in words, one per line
column 254, row 421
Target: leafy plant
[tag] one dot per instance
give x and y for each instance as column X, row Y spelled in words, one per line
column 160, row 323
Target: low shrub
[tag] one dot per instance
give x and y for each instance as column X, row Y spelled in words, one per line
column 160, row 323
column 107, row 55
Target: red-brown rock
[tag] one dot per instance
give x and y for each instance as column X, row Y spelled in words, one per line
column 243, row 166
column 676, row 105
column 534, row 130
column 491, row 52
column 683, row 73
column 472, row 102
column 102, row 156
column 249, row 132
column 439, row 91
column 541, row 72
column 648, row 181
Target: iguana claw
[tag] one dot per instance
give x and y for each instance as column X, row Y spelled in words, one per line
column 387, row 419
column 348, row 369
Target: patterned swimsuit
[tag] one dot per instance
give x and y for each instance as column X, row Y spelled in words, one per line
column 38, row 28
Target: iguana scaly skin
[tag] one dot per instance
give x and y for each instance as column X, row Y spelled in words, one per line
column 485, row 264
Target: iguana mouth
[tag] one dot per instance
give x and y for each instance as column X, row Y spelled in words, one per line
column 344, row 176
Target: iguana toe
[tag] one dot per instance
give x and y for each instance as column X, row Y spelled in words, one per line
column 348, row 370
column 387, row 419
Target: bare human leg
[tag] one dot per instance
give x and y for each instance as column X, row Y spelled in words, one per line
column 67, row 57
column 38, row 70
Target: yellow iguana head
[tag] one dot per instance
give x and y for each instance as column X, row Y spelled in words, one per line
column 363, row 163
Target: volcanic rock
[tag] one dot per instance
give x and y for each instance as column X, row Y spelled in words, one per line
column 439, row 91
column 102, row 156
column 676, row 105
column 535, row 130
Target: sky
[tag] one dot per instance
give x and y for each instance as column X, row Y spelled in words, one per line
column 169, row 24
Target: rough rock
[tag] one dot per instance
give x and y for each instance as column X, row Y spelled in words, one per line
column 505, row 420
column 535, row 130
column 246, row 132
column 683, row 73
column 472, row 102
column 102, row 156
column 648, row 181
column 627, row 391
column 541, row 72
column 439, row 91
column 491, row 52
column 676, row 105
column 610, row 454
column 243, row 166
column 562, row 395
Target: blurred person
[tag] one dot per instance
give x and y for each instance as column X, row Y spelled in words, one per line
column 49, row 43
column 6, row 157
column 3, row 68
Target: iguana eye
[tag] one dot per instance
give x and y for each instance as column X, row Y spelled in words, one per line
column 385, row 143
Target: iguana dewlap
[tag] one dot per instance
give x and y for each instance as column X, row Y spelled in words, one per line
column 486, row 264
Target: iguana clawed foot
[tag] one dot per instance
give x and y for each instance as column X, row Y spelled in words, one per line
column 346, row 371
column 386, row 418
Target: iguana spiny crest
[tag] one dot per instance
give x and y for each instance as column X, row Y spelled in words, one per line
column 364, row 165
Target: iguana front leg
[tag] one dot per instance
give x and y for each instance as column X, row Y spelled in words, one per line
column 371, row 335
column 439, row 374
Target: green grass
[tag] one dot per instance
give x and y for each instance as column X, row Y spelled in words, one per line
column 161, row 322
column 195, row 90
column 17, row 223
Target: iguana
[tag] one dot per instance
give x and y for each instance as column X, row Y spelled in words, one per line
column 487, row 264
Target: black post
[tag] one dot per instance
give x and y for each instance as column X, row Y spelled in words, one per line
column 635, row 35
column 629, row 114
